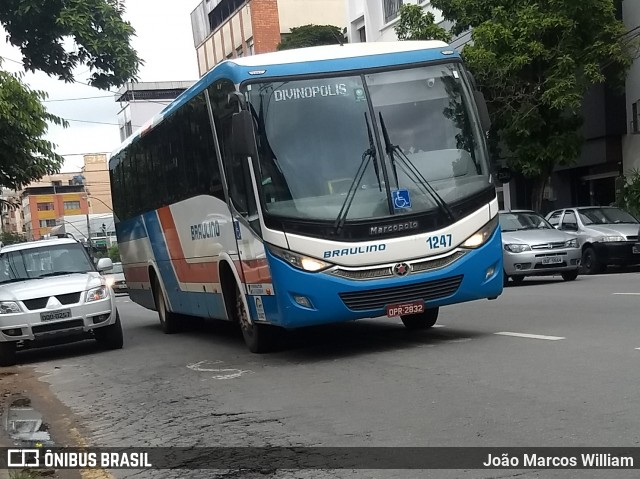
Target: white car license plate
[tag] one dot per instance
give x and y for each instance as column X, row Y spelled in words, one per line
column 635, row 249
column 552, row 260
column 55, row 315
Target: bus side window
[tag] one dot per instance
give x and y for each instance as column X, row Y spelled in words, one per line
column 236, row 169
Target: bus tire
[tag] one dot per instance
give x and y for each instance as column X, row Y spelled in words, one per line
column 259, row 338
column 168, row 320
column 7, row 353
column 425, row 320
column 110, row 337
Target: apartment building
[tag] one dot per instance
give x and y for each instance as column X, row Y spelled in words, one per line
column 43, row 206
column 10, row 217
column 139, row 102
column 96, row 178
column 225, row 29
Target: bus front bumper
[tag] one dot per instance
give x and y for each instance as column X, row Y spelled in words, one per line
column 309, row 299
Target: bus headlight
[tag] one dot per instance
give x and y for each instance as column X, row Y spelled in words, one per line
column 299, row 261
column 481, row 236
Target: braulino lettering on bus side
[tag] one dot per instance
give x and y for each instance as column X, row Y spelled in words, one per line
column 339, row 89
column 208, row 229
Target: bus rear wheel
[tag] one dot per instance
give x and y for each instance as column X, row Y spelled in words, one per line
column 425, row 320
column 259, row 338
column 168, row 320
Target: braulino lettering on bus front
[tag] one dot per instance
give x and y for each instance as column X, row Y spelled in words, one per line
column 205, row 230
column 355, row 250
column 310, row 92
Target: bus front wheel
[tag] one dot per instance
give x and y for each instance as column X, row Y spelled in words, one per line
column 259, row 338
column 168, row 320
column 423, row 320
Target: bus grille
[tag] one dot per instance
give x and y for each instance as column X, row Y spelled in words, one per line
column 387, row 271
column 379, row 298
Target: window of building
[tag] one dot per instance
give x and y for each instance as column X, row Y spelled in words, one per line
column 45, row 207
column 56, row 183
column 71, row 205
column 250, row 46
column 47, row 223
column 635, row 121
column 239, row 52
column 222, row 12
column 391, row 9
column 362, row 35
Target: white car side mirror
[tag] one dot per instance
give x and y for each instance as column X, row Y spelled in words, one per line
column 104, row 264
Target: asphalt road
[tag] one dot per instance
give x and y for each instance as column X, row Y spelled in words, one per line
column 372, row 383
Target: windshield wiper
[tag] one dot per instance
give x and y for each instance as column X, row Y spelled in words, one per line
column 405, row 164
column 368, row 155
column 59, row 273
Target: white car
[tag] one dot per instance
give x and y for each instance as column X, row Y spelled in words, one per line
column 51, row 290
column 115, row 279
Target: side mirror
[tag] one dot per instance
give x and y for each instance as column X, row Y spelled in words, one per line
column 483, row 111
column 104, row 264
column 243, row 140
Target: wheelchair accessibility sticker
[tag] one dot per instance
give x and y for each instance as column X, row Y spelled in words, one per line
column 401, row 199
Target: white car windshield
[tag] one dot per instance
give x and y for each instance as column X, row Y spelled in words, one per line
column 522, row 221
column 51, row 260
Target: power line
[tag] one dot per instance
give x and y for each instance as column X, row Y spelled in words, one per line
column 79, row 98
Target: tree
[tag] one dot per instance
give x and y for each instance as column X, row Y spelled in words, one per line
column 417, row 24
column 7, row 238
column 41, row 29
column 114, row 253
column 534, row 60
column 311, row 36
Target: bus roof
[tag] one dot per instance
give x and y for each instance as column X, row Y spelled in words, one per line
column 305, row 61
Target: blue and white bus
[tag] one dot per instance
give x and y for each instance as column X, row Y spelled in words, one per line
column 312, row 186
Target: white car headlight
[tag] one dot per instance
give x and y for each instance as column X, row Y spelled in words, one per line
column 110, row 281
column 96, row 294
column 572, row 243
column 481, row 236
column 610, row 239
column 517, row 248
column 8, row 307
column 298, row 260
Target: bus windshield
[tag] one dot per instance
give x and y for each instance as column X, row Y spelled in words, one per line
column 412, row 134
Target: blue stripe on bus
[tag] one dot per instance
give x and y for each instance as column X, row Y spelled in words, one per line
column 131, row 229
column 183, row 302
column 238, row 74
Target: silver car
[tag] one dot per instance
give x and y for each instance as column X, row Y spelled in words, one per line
column 115, row 278
column 607, row 235
column 532, row 247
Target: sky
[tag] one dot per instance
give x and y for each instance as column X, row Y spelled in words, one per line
column 163, row 40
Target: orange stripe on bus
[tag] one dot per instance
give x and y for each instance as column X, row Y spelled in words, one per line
column 186, row 272
column 256, row 271
column 136, row 274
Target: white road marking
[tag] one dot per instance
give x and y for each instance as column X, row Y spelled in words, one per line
column 530, row 336
column 627, row 294
column 223, row 373
column 638, row 349
column 438, row 326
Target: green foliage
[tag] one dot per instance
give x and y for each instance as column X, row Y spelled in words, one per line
column 417, row 24
column 631, row 192
column 24, row 154
column 114, row 253
column 311, row 36
column 7, row 238
column 40, row 29
column 534, row 60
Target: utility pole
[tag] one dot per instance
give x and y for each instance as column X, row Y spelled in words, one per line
column 84, row 183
